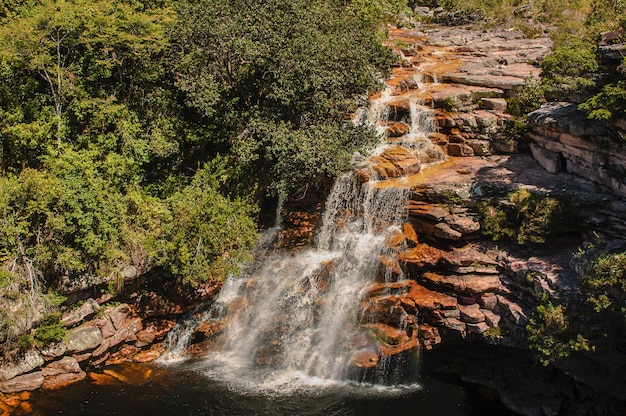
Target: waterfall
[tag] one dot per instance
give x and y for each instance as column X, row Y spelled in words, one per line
column 298, row 316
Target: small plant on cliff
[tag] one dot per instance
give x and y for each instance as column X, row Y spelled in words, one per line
column 50, row 330
column 604, row 284
column 528, row 97
column 550, row 334
column 526, row 216
column 494, row 221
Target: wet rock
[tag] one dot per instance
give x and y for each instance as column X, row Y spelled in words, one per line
column 409, row 233
column 428, row 300
column 366, row 358
column 62, row 380
column 397, row 129
column 426, row 210
column 148, row 356
column 396, row 161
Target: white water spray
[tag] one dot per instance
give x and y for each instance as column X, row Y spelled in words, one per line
column 294, row 318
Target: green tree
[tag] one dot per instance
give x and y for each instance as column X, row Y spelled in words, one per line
column 209, row 235
column 80, row 47
column 269, row 74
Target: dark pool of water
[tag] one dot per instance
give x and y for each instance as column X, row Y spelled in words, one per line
column 139, row 390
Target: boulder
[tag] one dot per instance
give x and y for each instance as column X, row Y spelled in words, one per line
column 64, row 365
column 118, row 315
column 84, row 338
column 28, row 362
column 459, row 149
column 471, row 314
column 549, row 160
column 62, row 380
column 496, row 104
column 397, row 129
column 25, row 382
column 89, row 308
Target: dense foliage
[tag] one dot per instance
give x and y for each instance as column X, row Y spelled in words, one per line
column 598, row 324
column 524, row 216
column 145, row 133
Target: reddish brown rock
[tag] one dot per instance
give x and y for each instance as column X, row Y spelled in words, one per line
column 422, row 255
column 147, row 356
column 365, row 358
column 463, row 224
column 25, row 382
column 390, row 265
column 397, row 129
column 76, row 315
column 429, row 211
column 62, row 380
column 512, row 311
column 429, row 336
column 409, row 233
column 491, row 318
column 467, row 256
column 106, row 326
column 396, row 161
column 64, row 365
column 395, row 239
column 477, row 328
column 145, row 337
column 459, row 149
column 426, row 299
column 474, row 285
column 118, row 315
column 471, row 314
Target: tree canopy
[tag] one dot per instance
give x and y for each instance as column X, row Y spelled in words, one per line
column 146, row 132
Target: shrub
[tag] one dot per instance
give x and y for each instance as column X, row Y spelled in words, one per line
column 549, row 333
column 50, row 330
column 529, row 216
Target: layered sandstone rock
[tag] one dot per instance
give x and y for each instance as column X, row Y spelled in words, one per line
column 565, row 141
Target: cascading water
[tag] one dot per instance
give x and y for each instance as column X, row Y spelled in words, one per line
column 296, row 318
